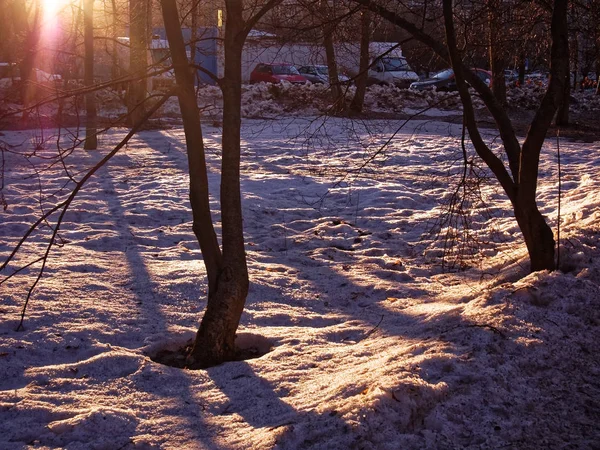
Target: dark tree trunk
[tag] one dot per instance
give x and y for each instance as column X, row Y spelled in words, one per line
column 497, row 62
column 215, row 340
column 199, row 194
column 138, row 60
column 363, row 72
column 562, row 115
column 537, row 235
column 521, row 70
column 519, row 179
column 227, row 271
column 31, row 46
column 334, row 81
column 91, row 141
column 195, row 13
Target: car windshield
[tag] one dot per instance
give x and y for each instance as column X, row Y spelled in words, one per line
column 395, row 64
column 285, row 70
column 322, row 70
column 444, row 74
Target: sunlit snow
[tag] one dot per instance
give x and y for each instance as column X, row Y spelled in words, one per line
column 373, row 344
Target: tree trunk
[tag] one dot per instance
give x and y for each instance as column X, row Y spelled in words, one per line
column 522, row 70
column 91, row 141
column 31, row 44
column 195, row 13
column 334, row 81
column 363, row 72
column 215, row 340
column 497, row 63
column 138, row 60
column 227, row 272
column 562, row 116
column 537, row 235
column 114, row 70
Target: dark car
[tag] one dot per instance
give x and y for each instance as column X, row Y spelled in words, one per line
column 275, row 73
column 445, row 80
column 319, row 74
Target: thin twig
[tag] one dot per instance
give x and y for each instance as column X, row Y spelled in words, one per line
column 372, row 330
column 559, row 195
column 65, row 205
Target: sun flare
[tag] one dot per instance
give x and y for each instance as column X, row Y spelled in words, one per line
column 53, row 7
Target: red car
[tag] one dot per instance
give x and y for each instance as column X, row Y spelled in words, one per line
column 275, row 73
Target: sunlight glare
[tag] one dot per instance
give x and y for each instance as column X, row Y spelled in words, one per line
column 52, row 7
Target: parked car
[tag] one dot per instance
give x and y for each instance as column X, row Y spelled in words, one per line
column 537, row 78
column 589, row 81
column 445, row 80
column 319, row 74
column 391, row 70
column 275, row 73
column 46, row 78
column 9, row 72
column 511, row 75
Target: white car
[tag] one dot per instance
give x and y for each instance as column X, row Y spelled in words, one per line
column 46, row 78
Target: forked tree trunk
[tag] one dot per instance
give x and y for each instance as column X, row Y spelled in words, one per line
column 522, row 189
column 91, row 141
column 519, row 177
column 227, row 272
column 362, row 78
column 215, row 340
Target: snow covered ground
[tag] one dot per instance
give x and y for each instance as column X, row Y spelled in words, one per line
column 374, row 346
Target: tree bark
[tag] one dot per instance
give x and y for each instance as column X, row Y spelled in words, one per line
column 520, row 184
column 332, row 68
column 362, row 78
column 138, row 59
column 31, row 46
column 562, row 115
column 537, row 235
column 227, row 271
column 215, row 340
column 91, row 141
column 497, row 60
column 195, row 18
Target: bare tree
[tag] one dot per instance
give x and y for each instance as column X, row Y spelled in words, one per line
column 518, row 180
column 91, row 141
column 225, row 266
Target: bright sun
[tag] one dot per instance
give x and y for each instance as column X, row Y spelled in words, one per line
column 52, row 7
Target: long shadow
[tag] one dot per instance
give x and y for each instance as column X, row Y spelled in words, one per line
column 262, row 406
column 363, row 312
column 180, row 401
column 343, row 287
